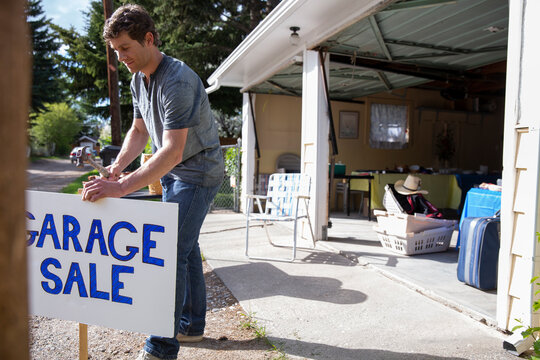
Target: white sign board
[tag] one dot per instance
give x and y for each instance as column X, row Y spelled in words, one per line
column 109, row 263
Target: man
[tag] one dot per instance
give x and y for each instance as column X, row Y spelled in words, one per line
column 171, row 106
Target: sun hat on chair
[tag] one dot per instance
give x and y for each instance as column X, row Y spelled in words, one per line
column 409, row 186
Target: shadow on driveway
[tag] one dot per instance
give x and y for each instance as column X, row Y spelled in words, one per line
column 277, row 282
column 316, row 351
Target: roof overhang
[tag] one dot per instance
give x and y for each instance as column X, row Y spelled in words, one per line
column 267, row 50
column 455, row 46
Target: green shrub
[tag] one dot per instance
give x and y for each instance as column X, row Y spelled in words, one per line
column 56, row 128
column 232, row 167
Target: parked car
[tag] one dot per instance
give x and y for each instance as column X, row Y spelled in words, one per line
column 73, row 153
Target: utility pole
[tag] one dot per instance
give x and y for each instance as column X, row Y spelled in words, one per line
column 112, row 74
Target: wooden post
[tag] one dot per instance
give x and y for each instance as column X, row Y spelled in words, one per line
column 83, row 341
column 112, row 73
column 14, row 102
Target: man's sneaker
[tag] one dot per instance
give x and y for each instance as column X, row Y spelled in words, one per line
column 143, row 355
column 188, row 338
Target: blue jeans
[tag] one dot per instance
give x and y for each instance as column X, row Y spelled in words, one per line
column 190, row 309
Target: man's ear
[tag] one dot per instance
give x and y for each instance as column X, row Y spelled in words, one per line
column 149, row 39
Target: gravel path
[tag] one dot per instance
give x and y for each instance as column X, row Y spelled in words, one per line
column 229, row 333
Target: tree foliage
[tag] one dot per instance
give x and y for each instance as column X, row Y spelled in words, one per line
column 84, row 65
column 45, row 73
column 202, row 33
column 56, row 128
column 229, row 126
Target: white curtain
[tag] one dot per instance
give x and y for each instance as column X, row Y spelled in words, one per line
column 388, row 128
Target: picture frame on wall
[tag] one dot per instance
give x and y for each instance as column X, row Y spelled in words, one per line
column 348, row 124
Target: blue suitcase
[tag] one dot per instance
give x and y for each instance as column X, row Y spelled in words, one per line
column 479, row 252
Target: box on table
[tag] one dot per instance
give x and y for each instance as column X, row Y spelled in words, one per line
column 400, row 223
column 428, row 241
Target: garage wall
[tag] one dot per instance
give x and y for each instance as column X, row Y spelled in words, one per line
column 478, row 135
column 279, row 128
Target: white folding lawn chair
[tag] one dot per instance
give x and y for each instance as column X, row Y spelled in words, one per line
column 287, row 199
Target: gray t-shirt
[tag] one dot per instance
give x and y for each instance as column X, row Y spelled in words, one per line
column 175, row 98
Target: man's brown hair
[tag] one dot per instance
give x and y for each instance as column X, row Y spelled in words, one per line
column 133, row 19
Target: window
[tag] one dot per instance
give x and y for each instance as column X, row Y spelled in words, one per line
column 388, row 126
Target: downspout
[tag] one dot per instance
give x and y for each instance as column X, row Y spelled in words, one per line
column 332, row 134
column 256, row 141
column 215, row 86
column 328, row 101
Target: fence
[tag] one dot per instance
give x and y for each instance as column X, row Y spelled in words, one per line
column 228, row 196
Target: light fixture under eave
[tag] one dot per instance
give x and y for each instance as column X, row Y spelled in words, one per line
column 494, row 29
column 294, row 38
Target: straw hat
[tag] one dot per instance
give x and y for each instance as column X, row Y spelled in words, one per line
column 409, row 186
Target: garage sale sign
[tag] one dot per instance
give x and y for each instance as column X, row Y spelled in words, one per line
column 110, row 263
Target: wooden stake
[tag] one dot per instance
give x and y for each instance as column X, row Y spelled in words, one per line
column 83, row 341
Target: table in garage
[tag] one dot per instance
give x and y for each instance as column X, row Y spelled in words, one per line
column 364, row 177
column 444, row 191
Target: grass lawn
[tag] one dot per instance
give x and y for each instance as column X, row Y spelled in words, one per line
column 77, row 184
column 35, row 158
column 73, row 187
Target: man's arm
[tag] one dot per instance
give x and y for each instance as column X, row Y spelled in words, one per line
column 133, row 145
column 152, row 170
column 166, row 158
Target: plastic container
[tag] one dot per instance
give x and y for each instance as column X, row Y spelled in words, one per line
column 339, row 169
column 399, row 223
column 429, row 241
column 389, row 201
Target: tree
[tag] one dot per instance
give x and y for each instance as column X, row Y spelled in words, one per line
column 46, row 75
column 85, row 67
column 229, row 126
column 56, row 128
column 202, row 33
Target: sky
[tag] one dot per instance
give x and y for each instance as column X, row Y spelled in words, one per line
column 66, row 13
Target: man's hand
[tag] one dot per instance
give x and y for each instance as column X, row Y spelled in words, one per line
column 99, row 188
column 115, row 171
